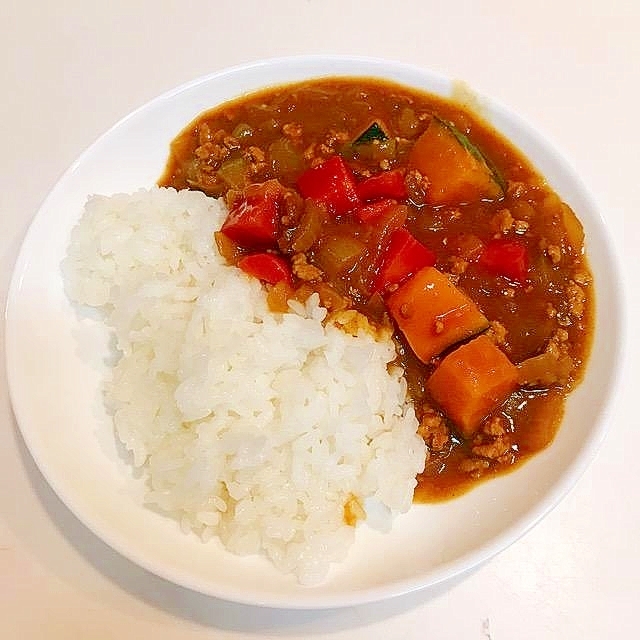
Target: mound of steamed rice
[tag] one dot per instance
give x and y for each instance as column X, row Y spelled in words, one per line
column 269, row 431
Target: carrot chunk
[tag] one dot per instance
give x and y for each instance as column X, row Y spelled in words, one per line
column 455, row 169
column 433, row 313
column 471, row 382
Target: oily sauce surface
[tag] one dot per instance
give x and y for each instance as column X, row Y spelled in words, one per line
column 280, row 133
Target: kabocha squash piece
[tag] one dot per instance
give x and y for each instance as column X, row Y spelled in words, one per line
column 433, row 313
column 456, row 170
column 472, row 381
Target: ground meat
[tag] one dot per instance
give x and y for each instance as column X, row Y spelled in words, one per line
column 516, row 188
column 458, row 265
column 576, row 299
column 292, row 208
column 204, row 133
column 330, row 299
column 292, row 130
column 417, row 185
column 309, row 154
column 256, row 158
column 497, row 332
column 496, row 426
column 303, row 270
column 214, row 148
column 362, row 172
column 231, row 143
column 502, row 222
column 582, row 278
column 474, row 466
column 558, row 342
column 434, row 430
column 332, row 140
column 213, row 153
column 493, row 449
column 325, row 151
column 353, row 322
column 554, row 252
column 520, row 226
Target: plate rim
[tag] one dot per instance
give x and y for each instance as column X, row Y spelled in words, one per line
column 447, row 572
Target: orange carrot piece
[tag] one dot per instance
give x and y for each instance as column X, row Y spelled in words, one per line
column 454, row 173
column 471, row 382
column 433, row 313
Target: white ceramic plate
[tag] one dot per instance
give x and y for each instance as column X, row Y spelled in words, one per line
column 55, row 362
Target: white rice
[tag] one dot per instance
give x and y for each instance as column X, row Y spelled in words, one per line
column 254, row 427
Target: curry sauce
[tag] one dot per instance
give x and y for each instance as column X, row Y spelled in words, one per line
column 476, row 211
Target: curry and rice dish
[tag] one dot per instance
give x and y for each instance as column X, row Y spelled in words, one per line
column 410, row 211
column 342, row 297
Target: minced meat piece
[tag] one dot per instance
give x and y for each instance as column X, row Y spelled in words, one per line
column 555, row 253
column 492, row 449
column 330, row 299
column 353, row 322
column 576, row 298
column 502, row 222
column 292, row 130
column 417, row 185
column 332, row 140
column 309, row 153
column 497, row 332
column 583, row 278
column 494, row 426
column 434, row 430
column 204, row 133
column 474, row 466
column 231, row 142
column 458, row 265
column 303, row 270
column 516, row 188
column 256, row 158
column 212, row 152
column 293, row 206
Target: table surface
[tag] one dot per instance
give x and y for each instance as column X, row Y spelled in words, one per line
column 70, row 69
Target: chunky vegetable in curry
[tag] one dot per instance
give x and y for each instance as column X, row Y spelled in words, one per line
column 407, row 213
